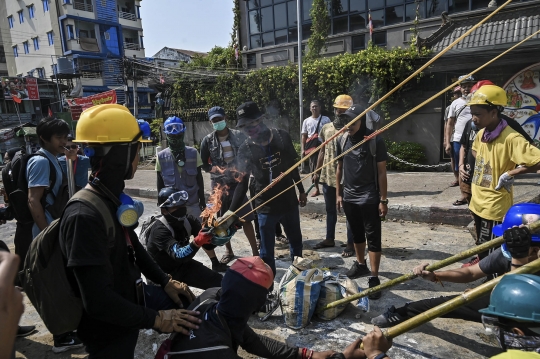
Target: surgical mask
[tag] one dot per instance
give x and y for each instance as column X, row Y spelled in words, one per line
column 218, row 126
column 474, row 127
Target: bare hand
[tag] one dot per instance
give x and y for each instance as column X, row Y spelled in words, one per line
column 302, row 199
column 448, row 149
column 353, row 350
column 339, row 203
column 71, row 154
column 375, row 343
column 463, row 174
column 421, row 272
column 315, row 178
column 383, row 209
column 11, row 302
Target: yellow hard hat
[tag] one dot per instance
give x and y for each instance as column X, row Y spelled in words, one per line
column 343, row 101
column 489, row 95
column 110, row 123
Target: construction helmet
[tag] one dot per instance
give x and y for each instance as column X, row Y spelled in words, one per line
column 518, row 214
column 343, row 101
column 515, row 298
column 107, row 124
column 490, row 95
column 174, row 126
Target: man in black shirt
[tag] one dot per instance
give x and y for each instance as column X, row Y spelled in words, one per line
column 519, row 249
column 362, row 194
column 168, row 242
column 105, row 269
column 266, row 154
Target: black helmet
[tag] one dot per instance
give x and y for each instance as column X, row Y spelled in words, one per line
column 172, row 197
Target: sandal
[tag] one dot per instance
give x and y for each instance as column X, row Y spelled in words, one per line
column 226, row 258
column 459, row 202
column 324, row 244
column 454, row 184
column 348, row 252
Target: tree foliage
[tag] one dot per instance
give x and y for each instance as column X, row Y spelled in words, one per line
column 218, row 58
column 320, row 27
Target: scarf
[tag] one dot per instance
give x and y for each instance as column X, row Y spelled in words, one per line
column 177, row 146
column 490, row 136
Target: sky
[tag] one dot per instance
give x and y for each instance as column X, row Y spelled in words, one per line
column 196, row 25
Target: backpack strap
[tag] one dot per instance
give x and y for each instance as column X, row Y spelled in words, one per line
column 163, row 220
column 93, row 200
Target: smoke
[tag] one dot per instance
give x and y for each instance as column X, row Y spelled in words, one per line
column 362, row 90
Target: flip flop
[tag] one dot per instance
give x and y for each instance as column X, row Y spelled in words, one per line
column 315, row 194
column 347, row 252
column 454, row 184
column 324, row 244
column 459, row 202
column 226, row 258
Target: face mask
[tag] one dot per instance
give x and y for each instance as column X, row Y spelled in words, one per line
column 474, row 127
column 176, row 217
column 218, row 126
column 176, row 141
column 129, row 212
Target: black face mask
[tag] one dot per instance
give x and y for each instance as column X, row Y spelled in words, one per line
column 176, row 217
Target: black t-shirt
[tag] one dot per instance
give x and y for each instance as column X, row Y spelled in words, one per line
column 267, row 163
column 160, row 241
column 495, row 263
column 359, row 185
column 467, row 140
column 110, row 291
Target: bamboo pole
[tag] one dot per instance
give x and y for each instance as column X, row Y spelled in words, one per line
column 452, row 304
column 384, row 128
column 534, row 227
column 375, row 104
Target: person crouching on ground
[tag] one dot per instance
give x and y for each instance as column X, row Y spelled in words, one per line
column 168, row 242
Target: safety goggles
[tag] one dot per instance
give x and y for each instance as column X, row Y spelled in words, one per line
column 175, row 128
column 179, row 198
column 509, row 340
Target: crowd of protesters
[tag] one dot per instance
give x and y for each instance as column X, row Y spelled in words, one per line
column 105, row 259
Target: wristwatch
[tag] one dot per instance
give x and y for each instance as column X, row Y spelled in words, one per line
column 384, row 201
column 381, row 356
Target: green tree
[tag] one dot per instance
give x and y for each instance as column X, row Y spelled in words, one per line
column 320, row 27
column 218, row 57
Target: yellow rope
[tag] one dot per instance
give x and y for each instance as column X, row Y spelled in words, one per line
column 423, row 67
column 382, row 129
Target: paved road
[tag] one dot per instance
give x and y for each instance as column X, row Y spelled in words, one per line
column 405, row 244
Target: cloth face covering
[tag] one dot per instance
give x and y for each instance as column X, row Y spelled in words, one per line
column 359, row 135
column 340, row 121
column 489, row 136
column 258, row 133
column 218, row 126
column 177, row 217
column 177, row 146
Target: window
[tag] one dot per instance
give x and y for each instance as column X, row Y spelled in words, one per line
column 10, row 21
column 280, row 16
column 268, row 39
column 358, row 43
column 379, row 38
column 251, row 61
column 45, row 5
column 377, row 17
column 70, row 32
column 358, row 21
column 340, row 7
column 21, row 16
column 255, row 41
column 480, row 4
column 410, row 11
column 340, row 24
column 267, row 18
column 141, row 41
column 66, row 1
column 394, row 15
column 26, row 48
column 36, row 43
column 31, row 10
column 138, row 10
column 16, row 51
column 50, row 37
column 255, row 25
column 453, row 6
column 358, row 5
column 281, row 36
column 41, row 72
column 54, row 68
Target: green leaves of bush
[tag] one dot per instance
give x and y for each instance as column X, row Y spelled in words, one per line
column 409, row 151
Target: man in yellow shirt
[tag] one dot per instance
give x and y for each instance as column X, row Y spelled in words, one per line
column 498, row 150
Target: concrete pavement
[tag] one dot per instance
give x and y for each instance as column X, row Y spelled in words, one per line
column 413, row 196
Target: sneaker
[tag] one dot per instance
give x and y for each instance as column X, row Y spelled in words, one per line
column 66, row 342
column 270, row 305
column 219, row 267
column 388, row 318
column 373, row 282
column 357, row 270
column 25, row 330
column 474, row 260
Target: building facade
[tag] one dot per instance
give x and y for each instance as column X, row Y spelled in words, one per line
column 169, row 57
column 90, row 36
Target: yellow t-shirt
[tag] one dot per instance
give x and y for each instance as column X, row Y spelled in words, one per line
column 492, row 160
column 199, row 163
column 517, row 354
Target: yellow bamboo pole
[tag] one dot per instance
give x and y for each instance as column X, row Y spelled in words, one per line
column 384, row 128
column 375, row 104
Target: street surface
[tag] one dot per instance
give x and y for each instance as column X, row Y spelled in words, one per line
column 405, row 244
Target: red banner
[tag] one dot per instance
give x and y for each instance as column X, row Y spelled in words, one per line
column 78, row 105
column 32, row 88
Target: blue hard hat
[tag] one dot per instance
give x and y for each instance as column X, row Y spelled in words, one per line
column 145, row 128
column 518, row 214
column 174, row 126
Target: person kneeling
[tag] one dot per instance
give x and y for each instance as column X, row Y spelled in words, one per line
column 168, row 242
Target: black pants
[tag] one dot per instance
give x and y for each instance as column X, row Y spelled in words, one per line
column 466, row 312
column 365, row 223
column 195, row 274
column 484, row 232
column 23, row 240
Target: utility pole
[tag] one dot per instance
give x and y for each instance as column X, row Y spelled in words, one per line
column 134, row 89
column 300, row 95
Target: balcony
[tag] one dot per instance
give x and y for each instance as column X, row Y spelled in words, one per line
column 84, row 6
column 131, row 46
column 127, row 16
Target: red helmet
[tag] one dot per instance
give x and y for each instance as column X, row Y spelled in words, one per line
column 480, row 84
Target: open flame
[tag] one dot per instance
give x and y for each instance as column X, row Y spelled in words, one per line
column 231, row 173
column 214, row 205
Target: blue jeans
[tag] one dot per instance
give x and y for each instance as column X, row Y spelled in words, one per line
column 329, row 194
column 267, row 226
column 456, row 146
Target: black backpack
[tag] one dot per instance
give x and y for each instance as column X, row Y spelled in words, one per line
column 44, row 277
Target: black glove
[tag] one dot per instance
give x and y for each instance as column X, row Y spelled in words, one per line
column 518, row 241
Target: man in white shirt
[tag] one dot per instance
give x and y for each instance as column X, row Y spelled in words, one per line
column 310, row 126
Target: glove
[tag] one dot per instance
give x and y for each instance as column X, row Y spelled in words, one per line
column 172, row 320
column 204, row 237
column 518, row 241
column 175, row 289
column 505, row 181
